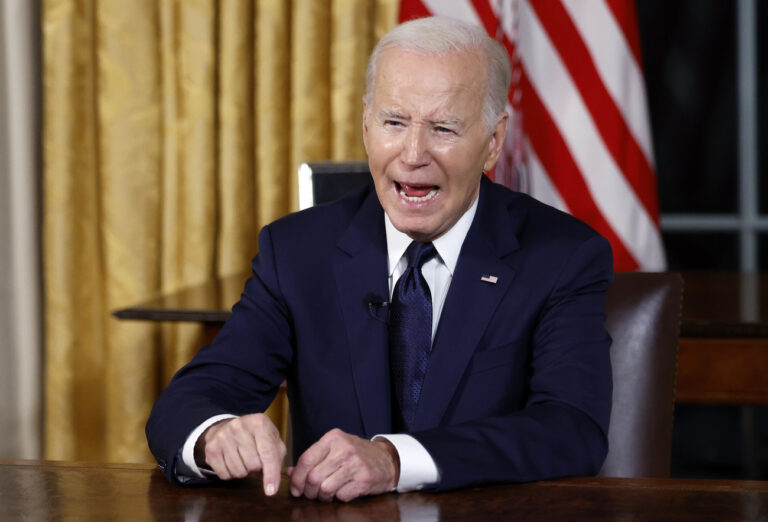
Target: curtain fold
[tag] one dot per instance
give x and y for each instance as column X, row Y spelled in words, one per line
column 351, row 41
column 272, row 95
column 73, row 269
column 310, row 86
column 173, row 130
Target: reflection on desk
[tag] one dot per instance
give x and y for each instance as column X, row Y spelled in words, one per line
column 32, row 490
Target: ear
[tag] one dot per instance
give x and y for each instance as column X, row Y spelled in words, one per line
column 496, row 142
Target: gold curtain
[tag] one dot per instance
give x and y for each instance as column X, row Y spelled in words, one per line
column 173, row 130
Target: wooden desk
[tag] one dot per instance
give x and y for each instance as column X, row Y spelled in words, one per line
column 32, row 490
column 723, row 355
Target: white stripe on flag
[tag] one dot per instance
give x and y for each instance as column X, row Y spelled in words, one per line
column 605, row 181
column 505, row 13
column 504, row 10
column 541, row 186
column 620, row 73
column 459, row 9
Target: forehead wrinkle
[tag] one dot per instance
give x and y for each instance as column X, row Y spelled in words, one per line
column 437, row 107
column 432, row 115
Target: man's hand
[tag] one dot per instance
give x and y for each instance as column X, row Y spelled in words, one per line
column 235, row 447
column 345, row 466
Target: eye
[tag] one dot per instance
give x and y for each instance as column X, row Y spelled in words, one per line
column 393, row 123
column 443, row 130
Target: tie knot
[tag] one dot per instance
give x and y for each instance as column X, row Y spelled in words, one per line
column 419, row 253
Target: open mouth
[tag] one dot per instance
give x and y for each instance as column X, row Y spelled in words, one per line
column 416, row 193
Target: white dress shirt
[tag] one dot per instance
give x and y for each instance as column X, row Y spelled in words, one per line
column 417, row 468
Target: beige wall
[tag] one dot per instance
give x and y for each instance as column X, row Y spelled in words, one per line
column 20, row 324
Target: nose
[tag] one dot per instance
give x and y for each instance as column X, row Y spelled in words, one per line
column 415, row 151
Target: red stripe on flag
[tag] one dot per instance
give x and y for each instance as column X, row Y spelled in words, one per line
column 605, row 113
column 411, row 9
column 554, row 155
column 626, row 16
column 487, row 16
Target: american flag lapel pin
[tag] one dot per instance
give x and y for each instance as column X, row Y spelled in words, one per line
column 489, row 279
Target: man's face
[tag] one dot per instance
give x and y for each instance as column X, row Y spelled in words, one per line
column 426, row 140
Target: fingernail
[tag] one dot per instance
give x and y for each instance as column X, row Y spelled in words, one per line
column 270, row 489
column 294, row 492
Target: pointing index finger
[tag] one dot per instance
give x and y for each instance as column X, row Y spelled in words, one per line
column 271, row 452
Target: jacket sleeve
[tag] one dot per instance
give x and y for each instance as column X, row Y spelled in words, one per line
column 239, row 373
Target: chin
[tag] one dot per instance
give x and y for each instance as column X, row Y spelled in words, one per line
column 418, row 233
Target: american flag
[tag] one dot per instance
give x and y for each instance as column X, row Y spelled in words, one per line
column 579, row 137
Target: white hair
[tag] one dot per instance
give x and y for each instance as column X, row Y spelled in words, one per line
column 439, row 35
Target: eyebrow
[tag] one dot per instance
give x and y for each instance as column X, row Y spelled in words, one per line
column 447, row 122
column 390, row 114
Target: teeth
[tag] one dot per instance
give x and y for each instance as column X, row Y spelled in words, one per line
column 416, row 199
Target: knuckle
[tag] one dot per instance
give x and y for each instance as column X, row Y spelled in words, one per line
column 264, row 421
column 303, row 462
column 212, row 447
column 314, row 477
column 335, row 434
column 365, row 476
column 348, row 450
column 306, row 461
column 253, row 421
column 234, row 429
column 211, row 454
column 220, row 434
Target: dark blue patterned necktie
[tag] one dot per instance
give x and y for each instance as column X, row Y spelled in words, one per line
column 410, row 334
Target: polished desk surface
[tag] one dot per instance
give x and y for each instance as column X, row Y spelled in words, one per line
column 31, row 490
column 209, row 303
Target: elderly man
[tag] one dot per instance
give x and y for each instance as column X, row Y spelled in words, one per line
column 437, row 332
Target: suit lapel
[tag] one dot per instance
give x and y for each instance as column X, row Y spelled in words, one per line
column 470, row 304
column 361, row 277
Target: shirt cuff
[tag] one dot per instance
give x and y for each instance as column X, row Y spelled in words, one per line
column 188, row 450
column 417, row 468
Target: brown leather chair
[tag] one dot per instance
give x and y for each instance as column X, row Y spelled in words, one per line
column 643, row 318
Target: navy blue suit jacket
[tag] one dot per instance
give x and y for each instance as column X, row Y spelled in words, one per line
column 518, row 386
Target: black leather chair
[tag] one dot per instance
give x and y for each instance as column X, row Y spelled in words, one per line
column 643, row 318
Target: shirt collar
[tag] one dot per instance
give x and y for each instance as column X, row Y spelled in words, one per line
column 448, row 245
